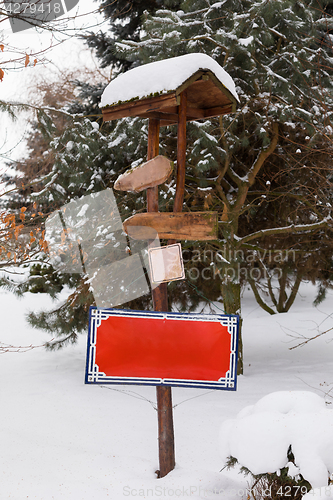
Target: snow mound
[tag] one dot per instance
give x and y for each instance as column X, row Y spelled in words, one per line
column 286, row 401
column 260, row 436
column 161, row 77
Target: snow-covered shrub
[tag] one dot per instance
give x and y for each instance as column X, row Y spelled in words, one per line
column 285, row 441
column 280, row 485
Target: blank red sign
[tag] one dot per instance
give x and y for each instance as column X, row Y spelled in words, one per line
column 152, row 348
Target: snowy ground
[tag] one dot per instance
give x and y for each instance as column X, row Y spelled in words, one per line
column 61, row 439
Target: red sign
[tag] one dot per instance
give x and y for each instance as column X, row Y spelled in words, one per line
column 156, row 348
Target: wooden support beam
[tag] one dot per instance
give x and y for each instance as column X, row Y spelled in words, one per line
column 136, row 108
column 163, row 110
column 218, row 111
column 153, row 149
column 181, row 153
column 194, row 113
column 171, row 117
column 167, row 123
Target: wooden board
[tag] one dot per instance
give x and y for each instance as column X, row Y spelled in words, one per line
column 139, row 106
column 193, row 226
column 150, row 174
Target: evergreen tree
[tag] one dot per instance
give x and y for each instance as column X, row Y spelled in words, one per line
column 78, row 159
column 246, row 166
column 125, row 20
column 278, row 54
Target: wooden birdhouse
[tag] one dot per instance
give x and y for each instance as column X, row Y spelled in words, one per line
column 153, row 90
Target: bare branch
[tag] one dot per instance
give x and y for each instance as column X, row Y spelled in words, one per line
column 287, row 229
column 263, row 155
column 5, row 348
column 311, row 338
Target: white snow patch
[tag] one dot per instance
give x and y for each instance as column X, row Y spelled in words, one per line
column 261, row 434
column 246, row 41
column 83, row 210
column 65, row 440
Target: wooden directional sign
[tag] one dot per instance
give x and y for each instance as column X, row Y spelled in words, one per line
column 173, row 225
column 157, row 348
column 150, row 174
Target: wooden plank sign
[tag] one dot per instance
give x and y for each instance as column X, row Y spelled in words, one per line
column 201, row 226
column 159, row 348
column 149, row 174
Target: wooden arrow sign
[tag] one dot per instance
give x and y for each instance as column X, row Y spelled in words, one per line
column 150, row 174
column 179, row 226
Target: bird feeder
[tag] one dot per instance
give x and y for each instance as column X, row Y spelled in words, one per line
column 169, row 92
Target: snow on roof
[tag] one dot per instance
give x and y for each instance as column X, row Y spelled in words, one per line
column 161, row 77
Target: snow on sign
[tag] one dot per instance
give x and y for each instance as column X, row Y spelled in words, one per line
column 160, row 348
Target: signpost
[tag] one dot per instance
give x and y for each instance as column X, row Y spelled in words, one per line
column 193, row 87
column 166, row 438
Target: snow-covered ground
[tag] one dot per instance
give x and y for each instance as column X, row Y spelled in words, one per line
column 61, row 439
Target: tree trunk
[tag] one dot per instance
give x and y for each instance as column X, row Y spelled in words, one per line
column 231, row 294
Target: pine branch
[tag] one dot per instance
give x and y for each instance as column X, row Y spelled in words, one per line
column 7, row 105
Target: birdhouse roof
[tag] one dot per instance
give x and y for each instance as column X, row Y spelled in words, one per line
column 152, row 90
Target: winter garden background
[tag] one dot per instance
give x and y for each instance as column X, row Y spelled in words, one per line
column 267, row 171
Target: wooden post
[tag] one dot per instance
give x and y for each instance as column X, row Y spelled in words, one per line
column 160, row 300
column 181, row 156
column 181, row 153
